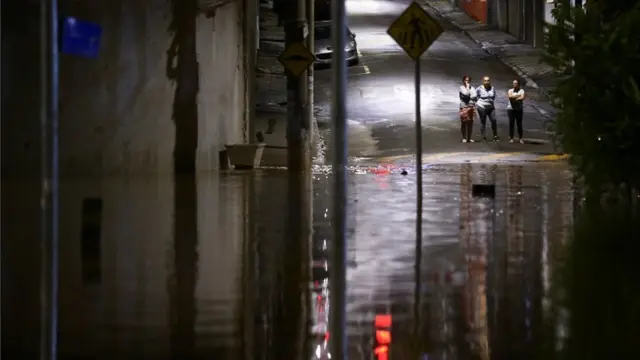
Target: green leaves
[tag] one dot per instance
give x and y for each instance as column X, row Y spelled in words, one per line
column 631, row 90
column 598, row 104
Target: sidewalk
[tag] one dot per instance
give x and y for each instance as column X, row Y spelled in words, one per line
column 269, row 29
column 522, row 58
column 271, row 82
column 270, row 74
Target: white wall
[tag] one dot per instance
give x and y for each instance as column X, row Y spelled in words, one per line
column 116, row 111
column 222, row 83
column 548, row 7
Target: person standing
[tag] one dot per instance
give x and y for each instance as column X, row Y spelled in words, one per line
column 514, row 110
column 486, row 95
column 467, row 109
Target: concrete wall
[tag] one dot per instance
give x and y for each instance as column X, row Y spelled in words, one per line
column 515, row 18
column 500, row 15
column 168, row 78
column 526, row 20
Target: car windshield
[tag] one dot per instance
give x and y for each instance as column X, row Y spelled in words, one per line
column 324, row 32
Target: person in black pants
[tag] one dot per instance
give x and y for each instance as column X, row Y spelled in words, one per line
column 467, row 109
column 486, row 95
column 516, row 97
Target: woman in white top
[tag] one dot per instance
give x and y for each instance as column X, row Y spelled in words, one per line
column 516, row 97
column 467, row 109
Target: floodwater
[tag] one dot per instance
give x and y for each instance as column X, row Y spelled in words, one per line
column 191, row 268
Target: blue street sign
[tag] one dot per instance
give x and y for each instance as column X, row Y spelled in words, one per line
column 81, row 38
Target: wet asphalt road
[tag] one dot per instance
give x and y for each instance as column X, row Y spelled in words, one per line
column 380, row 93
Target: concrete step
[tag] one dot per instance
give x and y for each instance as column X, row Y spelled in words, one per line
column 272, row 35
column 274, row 48
column 270, row 65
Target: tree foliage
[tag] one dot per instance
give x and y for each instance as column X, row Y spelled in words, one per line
column 598, row 104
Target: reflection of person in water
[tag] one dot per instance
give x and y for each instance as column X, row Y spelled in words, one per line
column 416, row 31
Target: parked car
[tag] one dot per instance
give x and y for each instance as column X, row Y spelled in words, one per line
column 323, row 45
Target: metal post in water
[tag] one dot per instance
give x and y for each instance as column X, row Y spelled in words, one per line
column 49, row 167
column 338, row 323
column 419, row 193
column 419, row 200
column 299, row 197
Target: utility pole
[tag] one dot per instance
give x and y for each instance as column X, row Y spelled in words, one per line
column 311, row 44
column 296, row 261
column 338, row 321
column 49, row 114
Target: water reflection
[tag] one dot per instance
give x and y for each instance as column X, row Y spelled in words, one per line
column 192, row 267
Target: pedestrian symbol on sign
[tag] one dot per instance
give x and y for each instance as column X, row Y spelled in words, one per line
column 414, row 30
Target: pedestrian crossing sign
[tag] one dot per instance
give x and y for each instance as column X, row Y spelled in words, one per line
column 414, row 30
column 296, row 58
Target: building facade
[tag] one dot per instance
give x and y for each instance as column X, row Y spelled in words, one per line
column 524, row 19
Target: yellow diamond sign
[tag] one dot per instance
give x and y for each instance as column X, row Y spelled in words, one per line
column 296, row 58
column 414, row 30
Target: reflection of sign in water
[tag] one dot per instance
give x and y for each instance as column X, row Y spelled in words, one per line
column 296, row 58
column 414, row 30
column 81, row 38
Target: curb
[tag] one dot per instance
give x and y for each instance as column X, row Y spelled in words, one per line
column 528, row 81
column 499, row 157
column 271, row 47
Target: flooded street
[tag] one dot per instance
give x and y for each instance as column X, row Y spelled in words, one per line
column 155, row 268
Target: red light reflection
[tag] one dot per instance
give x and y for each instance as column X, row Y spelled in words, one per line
column 383, row 321
column 383, row 337
column 382, row 352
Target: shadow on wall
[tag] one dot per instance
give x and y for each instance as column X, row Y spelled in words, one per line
column 182, row 68
column 20, row 94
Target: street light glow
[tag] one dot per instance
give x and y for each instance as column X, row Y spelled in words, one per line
column 373, row 7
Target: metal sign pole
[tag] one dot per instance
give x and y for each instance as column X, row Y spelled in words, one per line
column 338, row 323
column 419, row 200
column 418, row 156
column 49, row 132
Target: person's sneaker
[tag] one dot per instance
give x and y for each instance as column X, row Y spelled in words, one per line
column 464, row 140
column 521, row 141
column 510, row 141
column 496, row 139
column 471, row 141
